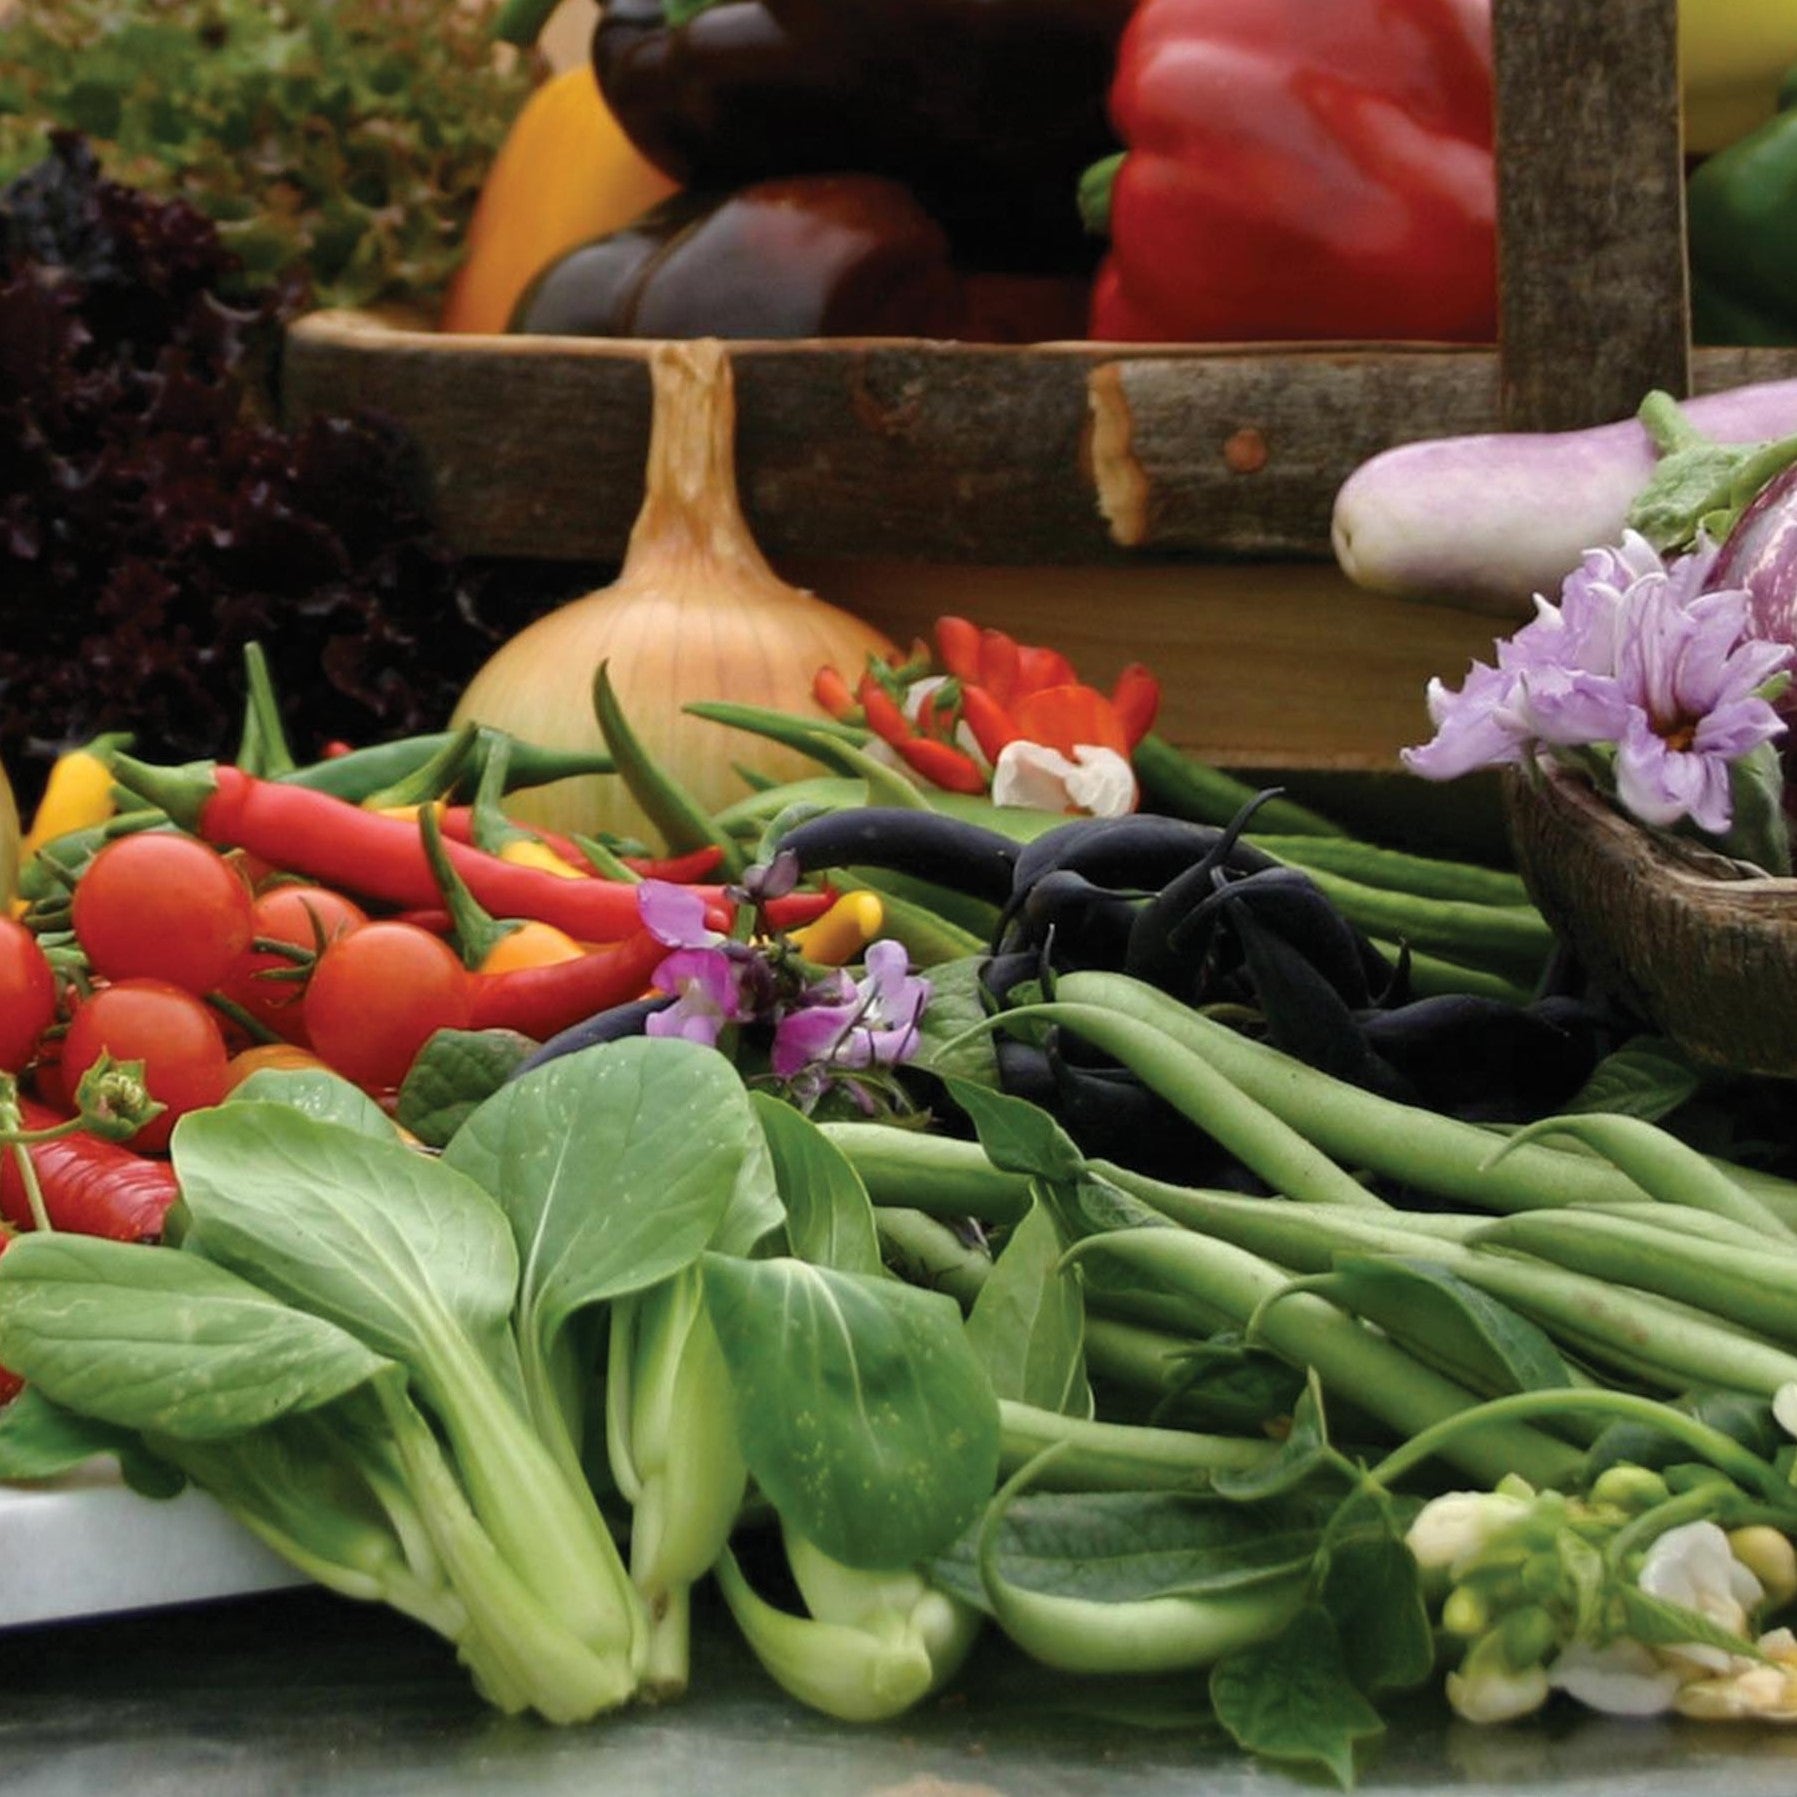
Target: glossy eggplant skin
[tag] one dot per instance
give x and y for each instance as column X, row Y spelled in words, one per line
column 806, row 256
column 818, row 256
column 989, row 110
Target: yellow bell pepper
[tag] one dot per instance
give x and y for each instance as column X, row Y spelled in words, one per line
column 565, row 174
column 1732, row 56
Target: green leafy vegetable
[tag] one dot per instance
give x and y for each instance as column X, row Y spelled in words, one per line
column 456, row 1071
column 866, row 1418
column 829, row 1220
column 1028, row 1324
column 1292, row 1698
column 345, row 138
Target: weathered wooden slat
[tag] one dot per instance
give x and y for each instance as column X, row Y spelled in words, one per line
column 934, row 452
column 1594, row 301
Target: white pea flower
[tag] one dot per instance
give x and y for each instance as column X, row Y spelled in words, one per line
column 1692, row 1566
column 1097, row 781
column 1756, row 1692
column 1451, row 1530
column 1623, row 1678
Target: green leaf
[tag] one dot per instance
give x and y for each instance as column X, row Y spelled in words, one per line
column 159, row 1340
column 1028, row 1325
column 829, row 1219
column 1372, row 1588
column 1758, row 831
column 1225, row 1384
column 1473, row 1337
column 1123, row 1547
column 456, row 1071
column 326, row 1096
column 1292, row 1698
column 1658, row 1623
column 1700, row 487
column 755, row 1212
column 1303, row 1454
column 1647, row 1077
column 397, row 1247
column 613, row 1166
column 866, row 1419
column 1018, row 1137
column 957, row 1004
column 42, row 1440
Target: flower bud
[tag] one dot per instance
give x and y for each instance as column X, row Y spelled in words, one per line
column 1770, row 1557
column 1466, row 1612
column 1529, row 1635
column 1488, row 1689
column 1629, row 1488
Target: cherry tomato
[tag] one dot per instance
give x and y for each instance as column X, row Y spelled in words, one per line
column 281, row 1057
column 173, row 1033
column 27, row 995
column 160, row 907
column 309, row 917
column 378, row 995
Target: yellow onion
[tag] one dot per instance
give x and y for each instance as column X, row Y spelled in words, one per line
column 696, row 613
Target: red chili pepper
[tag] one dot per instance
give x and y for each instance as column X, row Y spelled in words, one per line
column 942, row 765
column 958, row 648
column 339, row 844
column 543, row 1001
column 682, row 870
column 832, row 692
column 796, row 909
column 1301, row 171
column 1136, row 698
column 90, row 1187
column 988, row 720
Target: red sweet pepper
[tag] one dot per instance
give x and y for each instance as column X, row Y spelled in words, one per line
column 1301, row 170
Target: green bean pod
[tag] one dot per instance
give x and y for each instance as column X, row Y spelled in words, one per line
column 1393, row 870
column 1427, row 1151
column 1100, row 1456
column 1351, row 1360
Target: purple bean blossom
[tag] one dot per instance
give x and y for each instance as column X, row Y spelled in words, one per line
column 820, row 1029
column 867, row 1023
column 1635, row 657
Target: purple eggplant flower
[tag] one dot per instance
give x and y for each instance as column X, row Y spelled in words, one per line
column 1695, row 706
column 873, row 1022
column 1635, row 656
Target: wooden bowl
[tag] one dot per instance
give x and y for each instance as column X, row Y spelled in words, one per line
column 1700, row 947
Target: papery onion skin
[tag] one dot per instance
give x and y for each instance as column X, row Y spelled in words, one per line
column 696, row 613
column 1760, row 556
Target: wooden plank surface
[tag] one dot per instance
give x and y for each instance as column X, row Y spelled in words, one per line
column 1594, row 301
column 945, row 452
column 1261, row 665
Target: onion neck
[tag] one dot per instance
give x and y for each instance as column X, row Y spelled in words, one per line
column 690, row 502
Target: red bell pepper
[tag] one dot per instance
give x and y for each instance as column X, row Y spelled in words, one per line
column 1299, row 170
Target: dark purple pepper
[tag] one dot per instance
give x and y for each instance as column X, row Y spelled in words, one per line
column 989, row 110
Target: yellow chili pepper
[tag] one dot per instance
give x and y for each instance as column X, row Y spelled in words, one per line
column 527, row 851
column 78, row 794
column 843, row 931
column 530, row 945
column 565, row 174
